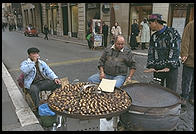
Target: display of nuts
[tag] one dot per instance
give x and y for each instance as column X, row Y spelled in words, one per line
column 71, row 100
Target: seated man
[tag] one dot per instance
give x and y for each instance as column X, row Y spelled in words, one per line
column 114, row 63
column 38, row 76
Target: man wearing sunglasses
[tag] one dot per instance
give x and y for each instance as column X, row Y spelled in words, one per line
column 163, row 52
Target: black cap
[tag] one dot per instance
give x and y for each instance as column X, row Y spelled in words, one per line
column 32, row 50
column 157, row 17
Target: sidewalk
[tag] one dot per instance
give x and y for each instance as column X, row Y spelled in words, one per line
column 17, row 115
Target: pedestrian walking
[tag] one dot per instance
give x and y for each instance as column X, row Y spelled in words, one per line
column 46, row 31
column 38, row 76
column 105, row 34
column 134, row 33
column 116, row 30
column 163, row 52
column 114, row 63
column 187, row 58
column 145, row 33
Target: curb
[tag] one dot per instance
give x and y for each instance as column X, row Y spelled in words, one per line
column 23, row 111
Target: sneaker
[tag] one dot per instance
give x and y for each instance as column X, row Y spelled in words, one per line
column 183, row 109
column 191, row 101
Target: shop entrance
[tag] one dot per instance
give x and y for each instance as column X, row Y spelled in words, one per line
column 65, row 19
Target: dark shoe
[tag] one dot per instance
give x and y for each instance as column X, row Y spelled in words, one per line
column 108, row 119
column 183, row 106
column 191, row 101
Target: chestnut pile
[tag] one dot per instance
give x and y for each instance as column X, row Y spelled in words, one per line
column 72, row 100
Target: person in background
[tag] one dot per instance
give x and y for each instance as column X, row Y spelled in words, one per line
column 116, row 30
column 46, row 31
column 145, row 33
column 187, row 58
column 114, row 63
column 38, row 76
column 134, row 33
column 164, row 51
column 105, row 34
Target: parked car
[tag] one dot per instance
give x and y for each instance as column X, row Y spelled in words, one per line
column 30, row 31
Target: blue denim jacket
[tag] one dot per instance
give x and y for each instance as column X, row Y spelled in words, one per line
column 29, row 70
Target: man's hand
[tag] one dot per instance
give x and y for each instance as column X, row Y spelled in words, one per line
column 102, row 75
column 183, row 59
column 149, row 70
column 163, row 70
column 57, row 81
column 34, row 58
column 128, row 78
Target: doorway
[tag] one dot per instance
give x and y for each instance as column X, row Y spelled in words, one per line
column 65, row 19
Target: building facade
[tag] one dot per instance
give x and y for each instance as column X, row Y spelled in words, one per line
column 71, row 19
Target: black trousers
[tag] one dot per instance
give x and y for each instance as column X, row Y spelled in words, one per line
column 170, row 77
column 105, row 39
column 44, row 85
column 46, row 36
column 187, row 83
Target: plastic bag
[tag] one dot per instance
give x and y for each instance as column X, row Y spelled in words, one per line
column 44, row 110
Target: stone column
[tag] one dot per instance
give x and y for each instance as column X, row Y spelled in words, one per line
column 122, row 17
column 60, row 21
column 38, row 17
column 44, row 17
column 23, row 16
column 69, row 19
column 81, row 21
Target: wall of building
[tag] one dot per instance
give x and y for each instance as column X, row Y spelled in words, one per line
column 161, row 8
column 122, row 17
column 81, row 21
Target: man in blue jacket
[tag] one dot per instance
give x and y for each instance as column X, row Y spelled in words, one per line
column 37, row 75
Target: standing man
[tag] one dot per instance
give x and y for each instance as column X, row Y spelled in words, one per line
column 187, row 55
column 105, row 34
column 164, row 52
column 38, row 76
column 46, row 31
column 114, row 63
column 134, row 33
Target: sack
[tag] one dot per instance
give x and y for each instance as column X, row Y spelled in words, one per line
column 44, row 110
column 138, row 39
column 20, row 80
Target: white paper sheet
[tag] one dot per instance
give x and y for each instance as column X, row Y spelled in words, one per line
column 107, row 85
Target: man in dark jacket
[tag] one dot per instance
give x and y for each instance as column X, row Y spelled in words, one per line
column 163, row 52
column 134, row 33
column 46, row 31
column 105, row 34
column 114, row 63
